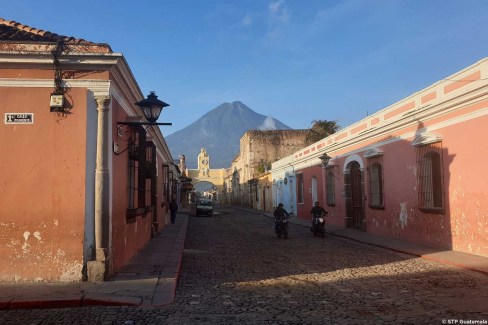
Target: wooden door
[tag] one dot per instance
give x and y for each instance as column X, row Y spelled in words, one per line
column 357, row 210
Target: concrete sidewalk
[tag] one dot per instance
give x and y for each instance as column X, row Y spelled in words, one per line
column 149, row 279
column 462, row 260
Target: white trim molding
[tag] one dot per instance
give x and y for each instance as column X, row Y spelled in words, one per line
column 351, row 158
column 426, row 138
column 373, row 152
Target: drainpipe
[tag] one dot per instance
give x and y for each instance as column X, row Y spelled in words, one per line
column 97, row 267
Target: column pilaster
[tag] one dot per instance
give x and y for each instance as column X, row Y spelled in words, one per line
column 97, row 267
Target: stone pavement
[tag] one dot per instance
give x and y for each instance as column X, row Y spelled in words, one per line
column 150, row 278
column 462, row 260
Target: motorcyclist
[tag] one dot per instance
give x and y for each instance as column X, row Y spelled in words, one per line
column 317, row 212
column 280, row 214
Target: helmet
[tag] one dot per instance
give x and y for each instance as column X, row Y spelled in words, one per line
column 280, row 205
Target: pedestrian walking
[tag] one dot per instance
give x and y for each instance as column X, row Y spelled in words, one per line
column 173, row 208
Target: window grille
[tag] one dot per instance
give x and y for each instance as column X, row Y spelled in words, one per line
column 430, row 177
column 330, row 186
column 136, row 173
column 375, row 177
column 132, row 181
column 150, row 175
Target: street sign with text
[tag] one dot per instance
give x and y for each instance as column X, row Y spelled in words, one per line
column 19, row 118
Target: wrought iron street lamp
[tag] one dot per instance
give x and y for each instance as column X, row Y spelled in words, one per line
column 151, row 107
column 324, row 158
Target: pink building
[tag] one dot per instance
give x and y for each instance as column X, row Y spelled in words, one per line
column 80, row 193
column 412, row 171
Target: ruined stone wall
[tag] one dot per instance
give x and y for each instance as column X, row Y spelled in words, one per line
column 268, row 146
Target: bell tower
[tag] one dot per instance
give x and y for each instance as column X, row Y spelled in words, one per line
column 203, row 162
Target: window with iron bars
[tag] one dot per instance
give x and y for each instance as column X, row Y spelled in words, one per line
column 330, row 186
column 165, row 190
column 141, row 175
column 430, row 178
column 136, row 177
column 375, row 178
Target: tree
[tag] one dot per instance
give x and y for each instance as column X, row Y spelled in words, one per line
column 321, row 129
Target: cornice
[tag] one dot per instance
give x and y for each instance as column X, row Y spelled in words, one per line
column 12, row 59
column 408, row 119
column 98, row 87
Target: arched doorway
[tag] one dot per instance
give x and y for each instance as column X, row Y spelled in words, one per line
column 206, row 189
column 354, row 189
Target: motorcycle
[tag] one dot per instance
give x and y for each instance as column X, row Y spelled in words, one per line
column 318, row 225
column 281, row 227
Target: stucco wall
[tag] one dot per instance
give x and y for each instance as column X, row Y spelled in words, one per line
column 454, row 114
column 303, row 209
column 42, row 191
column 127, row 237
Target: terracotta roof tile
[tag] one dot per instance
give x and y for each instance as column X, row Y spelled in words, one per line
column 11, row 30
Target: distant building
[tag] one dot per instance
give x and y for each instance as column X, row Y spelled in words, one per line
column 258, row 150
column 209, row 180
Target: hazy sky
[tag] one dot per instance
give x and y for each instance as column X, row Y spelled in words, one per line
column 295, row 60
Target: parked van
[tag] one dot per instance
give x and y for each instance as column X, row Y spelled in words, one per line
column 204, row 207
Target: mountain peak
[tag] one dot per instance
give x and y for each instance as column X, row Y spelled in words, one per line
column 220, row 130
column 233, row 105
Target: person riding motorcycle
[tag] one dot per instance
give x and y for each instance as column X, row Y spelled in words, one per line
column 318, row 222
column 280, row 215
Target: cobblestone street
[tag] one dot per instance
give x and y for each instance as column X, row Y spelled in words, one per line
column 236, row 271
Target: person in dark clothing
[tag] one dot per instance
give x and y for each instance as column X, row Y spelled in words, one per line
column 317, row 210
column 280, row 215
column 318, row 221
column 173, row 208
column 280, row 212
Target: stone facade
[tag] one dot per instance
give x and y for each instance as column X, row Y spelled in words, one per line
column 258, row 149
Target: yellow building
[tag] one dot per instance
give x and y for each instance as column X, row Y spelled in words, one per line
column 206, row 181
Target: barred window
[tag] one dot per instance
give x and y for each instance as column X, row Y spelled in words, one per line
column 330, row 187
column 137, row 160
column 137, row 168
column 150, row 186
column 375, row 176
column 430, row 178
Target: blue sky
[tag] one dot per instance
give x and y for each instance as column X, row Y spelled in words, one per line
column 295, row 60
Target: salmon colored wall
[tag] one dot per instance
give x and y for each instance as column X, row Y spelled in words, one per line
column 464, row 224
column 401, row 217
column 467, row 186
column 127, row 238
column 303, row 209
column 42, row 191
